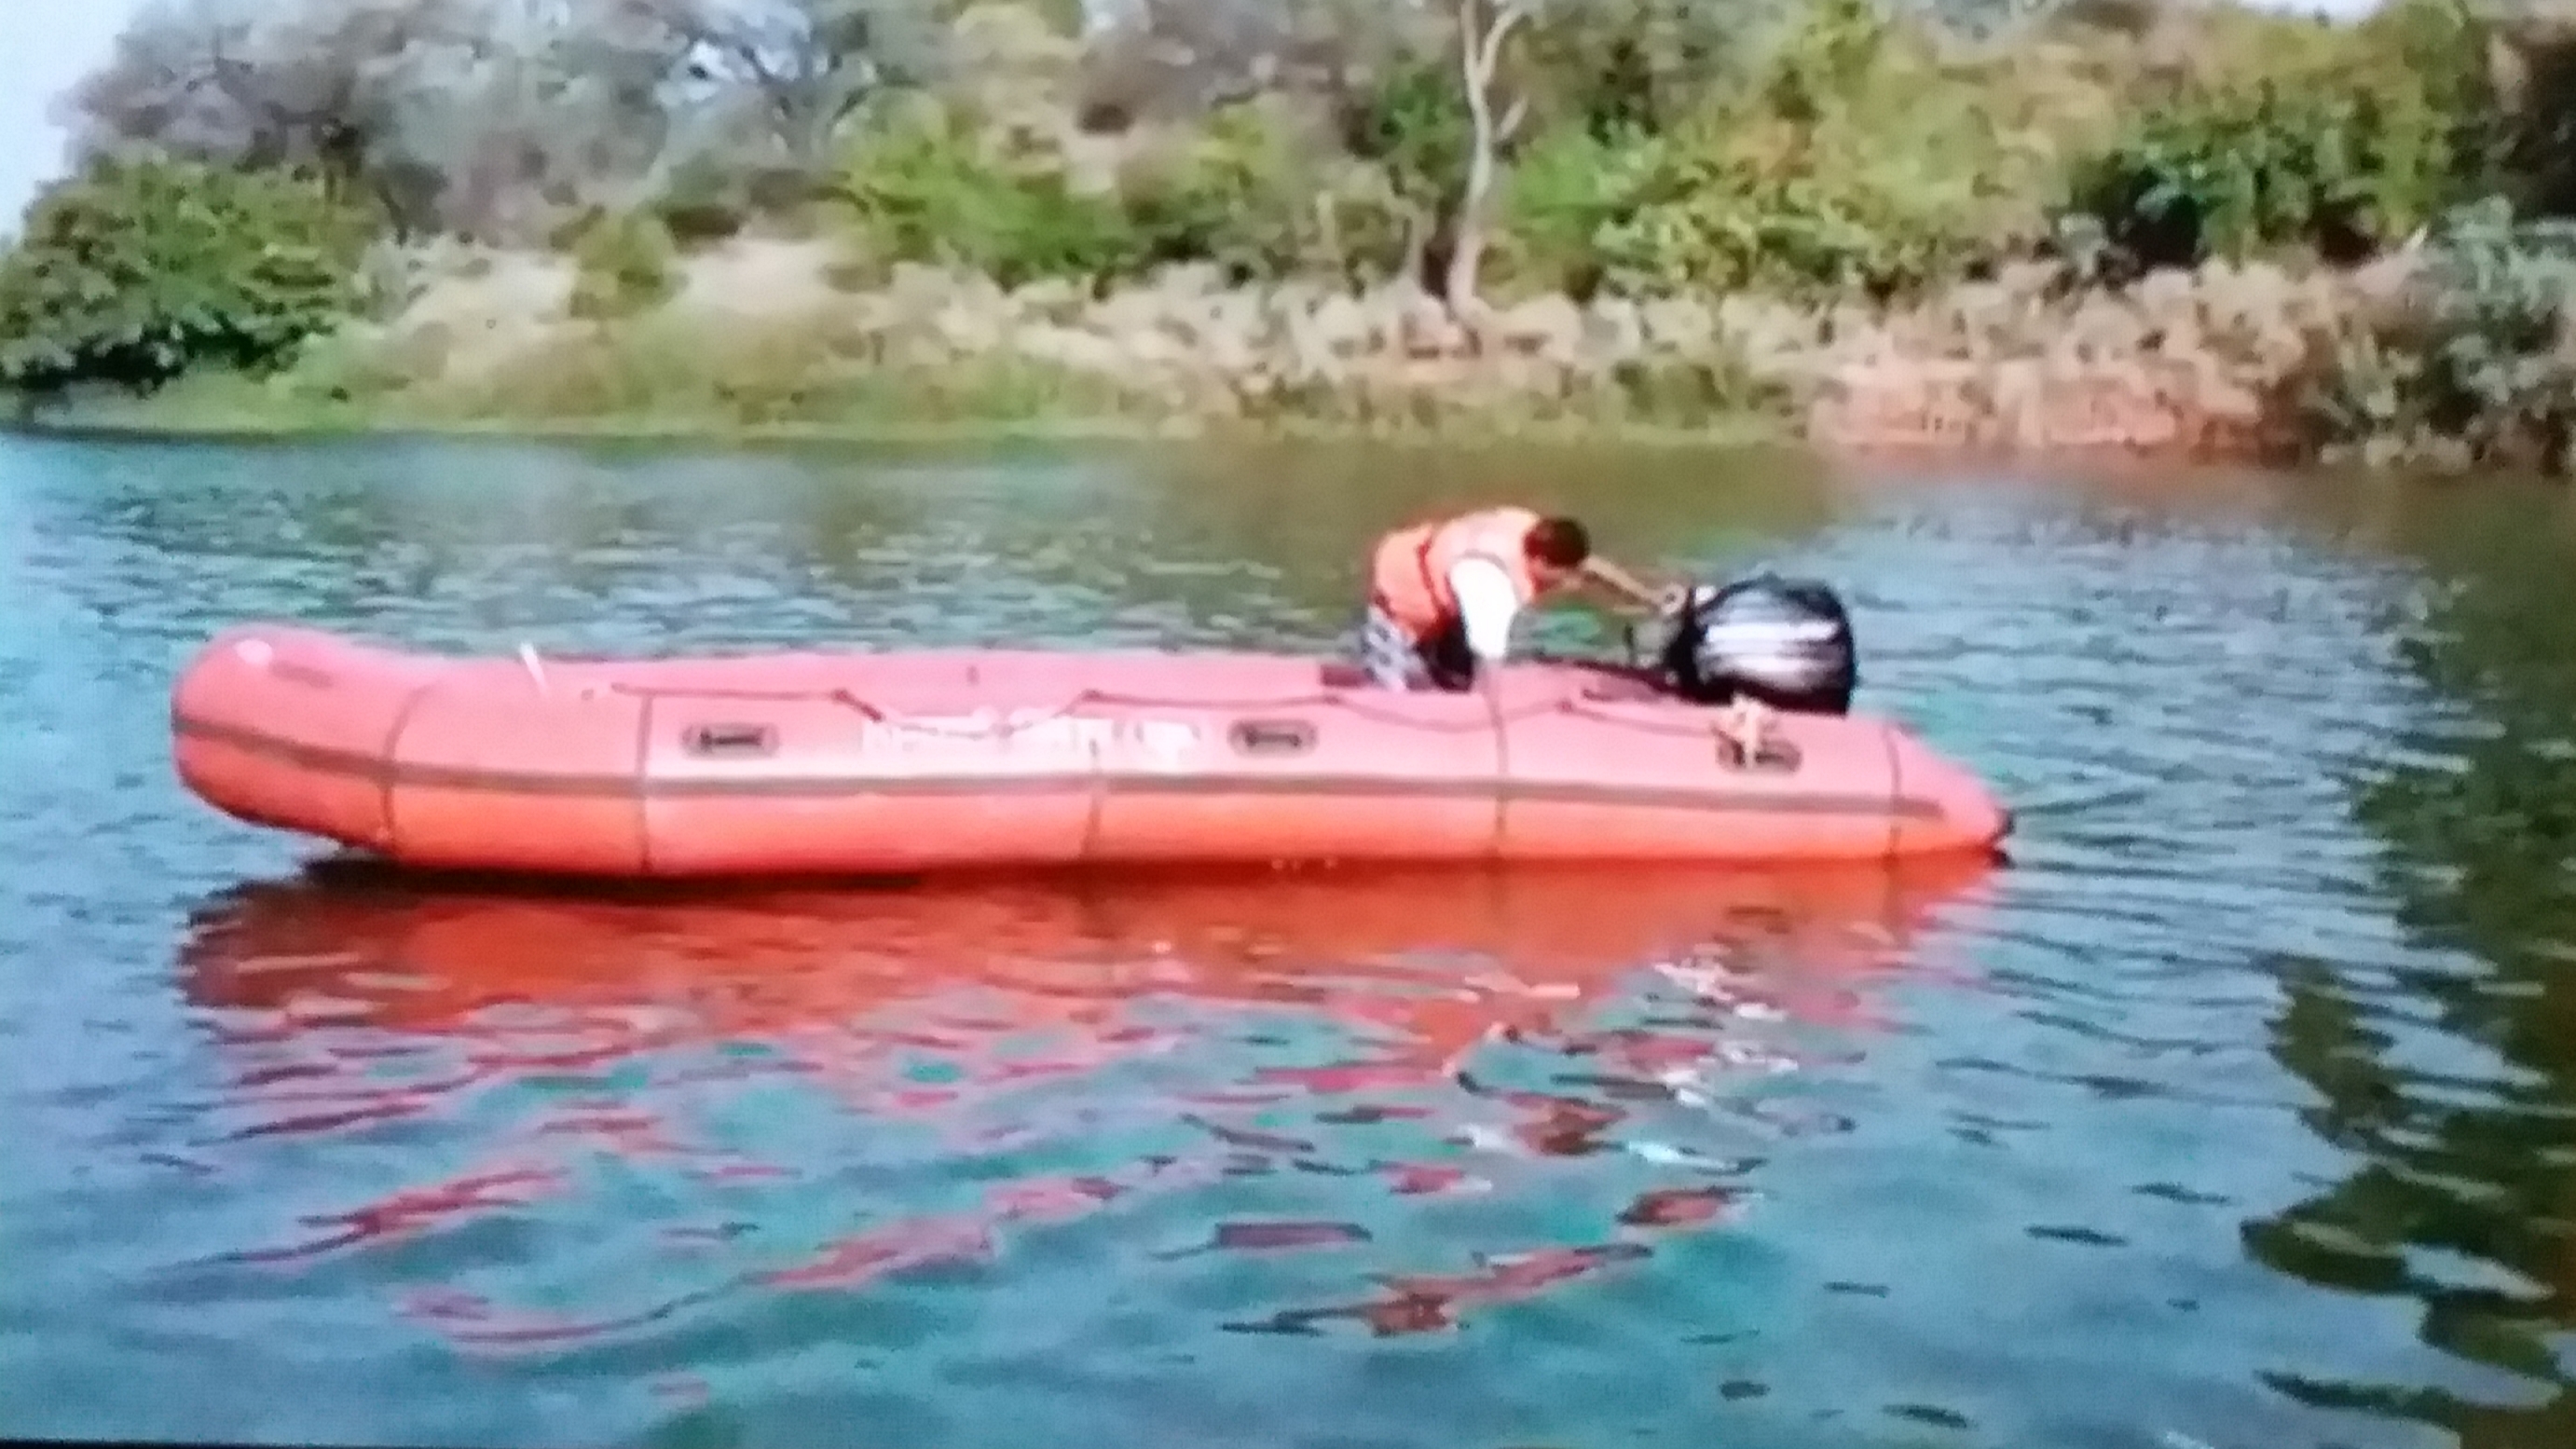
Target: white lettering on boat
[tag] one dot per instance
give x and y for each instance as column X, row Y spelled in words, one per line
column 1163, row 743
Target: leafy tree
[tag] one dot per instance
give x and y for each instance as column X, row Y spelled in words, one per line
column 923, row 186
column 1241, row 195
column 1852, row 157
column 1619, row 69
column 2476, row 361
column 625, row 265
column 488, row 118
column 2339, row 139
column 1412, row 125
column 133, row 271
column 804, row 67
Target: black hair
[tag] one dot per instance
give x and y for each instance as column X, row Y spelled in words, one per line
column 1561, row 542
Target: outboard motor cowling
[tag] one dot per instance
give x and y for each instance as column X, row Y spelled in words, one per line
column 1784, row 642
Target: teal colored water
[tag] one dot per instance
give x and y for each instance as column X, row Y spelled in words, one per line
column 2239, row 1109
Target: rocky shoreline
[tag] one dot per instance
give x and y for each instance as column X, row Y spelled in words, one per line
column 2200, row 365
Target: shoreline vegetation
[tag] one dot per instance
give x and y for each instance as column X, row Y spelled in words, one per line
column 2140, row 228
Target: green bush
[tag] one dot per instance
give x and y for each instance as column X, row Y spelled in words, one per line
column 2229, row 175
column 1411, row 128
column 1616, row 69
column 703, row 203
column 1237, row 195
column 1243, row 192
column 2334, row 140
column 2479, row 364
column 922, row 187
column 627, row 264
column 1562, row 206
column 1861, row 152
column 1852, row 161
column 1771, row 219
column 134, row 271
column 1413, row 123
column 1261, row 201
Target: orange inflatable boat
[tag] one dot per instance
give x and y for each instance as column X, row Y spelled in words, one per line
column 901, row 763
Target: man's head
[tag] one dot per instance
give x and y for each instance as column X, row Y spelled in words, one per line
column 1556, row 548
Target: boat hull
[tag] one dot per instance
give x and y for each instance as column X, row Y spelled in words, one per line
column 857, row 763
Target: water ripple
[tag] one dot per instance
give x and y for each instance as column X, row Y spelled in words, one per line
column 2236, row 1111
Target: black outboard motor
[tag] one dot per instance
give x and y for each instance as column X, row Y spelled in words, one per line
column 1784, row 642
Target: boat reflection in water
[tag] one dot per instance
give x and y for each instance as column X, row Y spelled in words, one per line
column 1168, row 1031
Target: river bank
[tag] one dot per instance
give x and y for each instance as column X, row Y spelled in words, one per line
column 766, row 338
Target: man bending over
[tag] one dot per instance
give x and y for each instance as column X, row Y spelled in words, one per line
column 1444, row 594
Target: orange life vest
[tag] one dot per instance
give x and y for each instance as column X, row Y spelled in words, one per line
column 1409, row 573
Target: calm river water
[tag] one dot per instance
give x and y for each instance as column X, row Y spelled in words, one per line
column 2238, row 1110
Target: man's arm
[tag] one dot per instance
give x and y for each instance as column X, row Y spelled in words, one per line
column 1487, row 604
column 1621, row 582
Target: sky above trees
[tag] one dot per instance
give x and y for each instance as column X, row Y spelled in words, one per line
column 51, row 43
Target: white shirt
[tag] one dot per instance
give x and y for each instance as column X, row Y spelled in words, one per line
column 1487, row 605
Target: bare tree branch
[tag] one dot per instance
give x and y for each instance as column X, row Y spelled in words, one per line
column 810, row 64
column 1483, row 28
column 484, row 117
